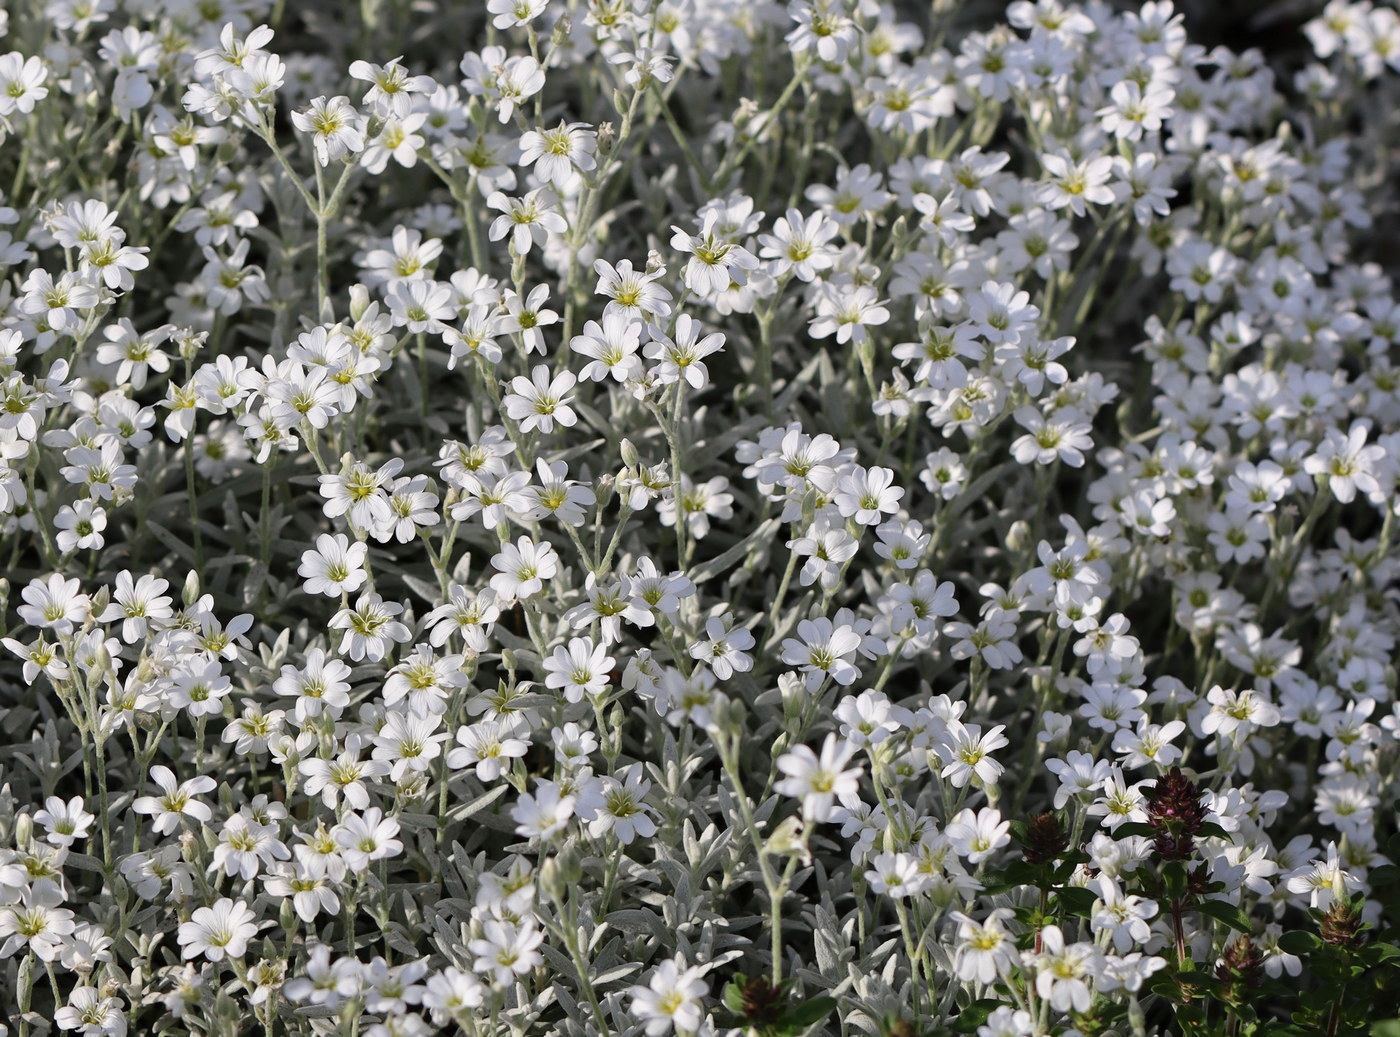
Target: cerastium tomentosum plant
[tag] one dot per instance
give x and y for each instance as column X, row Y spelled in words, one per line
column 629, row 517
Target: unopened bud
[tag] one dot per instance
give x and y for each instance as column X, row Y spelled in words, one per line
column 562, row 28
column 190, row 594
column 1018, row 537
column 359, row 301
column 24, row 830
column 629, row 454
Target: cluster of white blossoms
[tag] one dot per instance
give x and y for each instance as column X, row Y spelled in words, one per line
column 697, row 517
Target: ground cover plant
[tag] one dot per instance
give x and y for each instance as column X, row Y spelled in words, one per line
column 633, row 517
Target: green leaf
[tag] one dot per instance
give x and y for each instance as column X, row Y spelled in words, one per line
column 808, row 1013
column 734, row 994
column 1174, row 878
column 1299, row 942
column 975, row 1014
column 1386, row 1028
column 1076, row 901
column 1227, row 913
column 1385, row 875
column 1377, row 953
column 1134, row 828
column 1210, row 829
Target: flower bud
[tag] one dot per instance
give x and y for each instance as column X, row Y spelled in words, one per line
column 190, row 594
column 1018, row 537
column 24, row 830
column 359, row 301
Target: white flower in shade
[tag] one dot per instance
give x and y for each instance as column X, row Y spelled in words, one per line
column 218, row 932
column 821, row 650
column 1064, row 971
column 344, row 775
column 198, row 686
column 820, row 780
column 541, row 400
column 92, row 1014
column 367, row 837
column 544, row 814
column 80, row 526
column 321, row 683
column 393, row 89
column 682, row 353
column 21, row 83
column 246, row 847
column 1123, row 917
column 54, row 604
column 409, row 743
column 65, row 822
column 177, row 800
column 505, row 951
column 671, row 997
column 370, row 629
column 579, row 669
column 528, row 220
column 799, row 245
column 611, row 348
column 714, row 262
column 623, row 810
column 985, row 950
column 521, row 569
column 977, row 835
column 336, row 127
column 560, row 154
column 36, row 921
column 335, row 567
column 724, row 647
column 489, row 746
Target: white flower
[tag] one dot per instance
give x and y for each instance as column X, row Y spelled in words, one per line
column 177, row 800
column 623, row 810
column 670, row 998
column 335, row 567
column 370, row 629
column 579, row 669
column 505, row 951
column 985, row 949
column 216, row 932
column 820, row 780
column 21, row 83
column 92, row 1014
column 1064, row 971
column 393, row 89
column 367, row 837
column 541, row 400
column 976, row 836
column 560, row 154
column 65, row 821
column 714, row 263
column 336, row 127
column 34, row 920
column 522, row 568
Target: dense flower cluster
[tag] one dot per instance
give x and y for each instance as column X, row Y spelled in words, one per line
column 696, row 516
